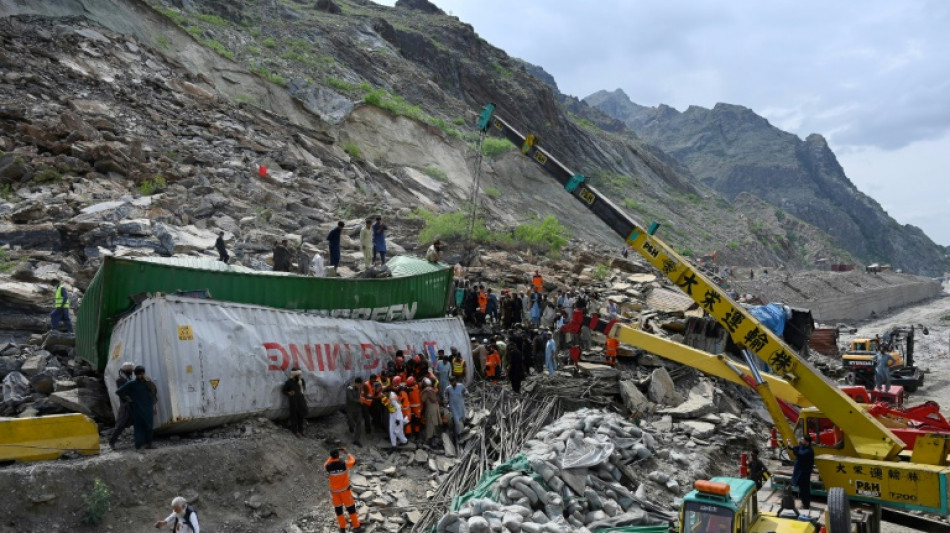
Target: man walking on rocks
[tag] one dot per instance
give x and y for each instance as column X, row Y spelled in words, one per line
column 124, row 419
column 60, row 307
column 342, row 496
column 144, row 396
column 184, row 519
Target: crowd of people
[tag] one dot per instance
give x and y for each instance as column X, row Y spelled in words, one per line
column 409, row 399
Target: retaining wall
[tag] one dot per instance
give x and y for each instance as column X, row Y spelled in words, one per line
column 842, row 296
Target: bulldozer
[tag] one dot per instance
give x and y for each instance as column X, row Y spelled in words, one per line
column 860, row 358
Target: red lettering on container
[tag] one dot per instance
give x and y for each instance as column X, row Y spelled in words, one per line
column 273, row 357
column 371, row 354
column 297, row 357
column 319, row 355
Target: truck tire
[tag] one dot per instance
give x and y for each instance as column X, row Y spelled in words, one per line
column 839, row 511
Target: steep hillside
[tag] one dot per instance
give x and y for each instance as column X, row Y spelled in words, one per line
column 735, row 151
column 380, row 102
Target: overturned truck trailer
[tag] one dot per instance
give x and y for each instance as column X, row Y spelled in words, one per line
column 215, row 362
column 417, row 289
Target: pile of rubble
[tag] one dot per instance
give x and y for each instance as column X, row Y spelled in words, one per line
column 44, row 377
column 569, row 479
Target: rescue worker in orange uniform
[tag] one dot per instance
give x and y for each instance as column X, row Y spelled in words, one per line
column 492, row 363
column 482, row 301
column 366, row 404
column 338, row 469
column 400, row 367
column 537, row 281
column 415, row 407
column 403, row 403
column 610, row 353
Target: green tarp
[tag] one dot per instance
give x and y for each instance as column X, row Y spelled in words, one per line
column 418, row 289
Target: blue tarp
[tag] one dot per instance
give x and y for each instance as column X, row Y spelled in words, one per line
column 772, row 315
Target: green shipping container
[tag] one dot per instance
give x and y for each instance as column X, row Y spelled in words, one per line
column 418, row 289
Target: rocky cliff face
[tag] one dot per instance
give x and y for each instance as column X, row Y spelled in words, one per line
column 735, row 151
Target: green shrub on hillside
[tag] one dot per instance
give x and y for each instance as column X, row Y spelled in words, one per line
column 212, row 20
column 547, row 235
column 493, row 146
column 437, row 174
column 492, row 192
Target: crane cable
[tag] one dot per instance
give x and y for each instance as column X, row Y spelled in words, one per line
column 475, row 186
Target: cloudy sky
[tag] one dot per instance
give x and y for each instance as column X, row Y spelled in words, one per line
column 872, row 76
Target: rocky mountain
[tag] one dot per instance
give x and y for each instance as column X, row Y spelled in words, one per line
column 735, row 151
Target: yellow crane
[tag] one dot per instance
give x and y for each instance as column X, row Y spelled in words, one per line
column 867, row 464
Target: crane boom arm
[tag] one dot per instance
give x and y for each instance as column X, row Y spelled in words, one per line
column 871, row 440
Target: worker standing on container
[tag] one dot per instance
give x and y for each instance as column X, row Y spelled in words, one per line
column 366, row 243
column 333, row 239
column 222, row 250
column 282, row 257
column 342, row 496
column 144, row 395
column 124, row 418
column 294, row 389
column 379, row 241
column 434, row 253
column 317, row 266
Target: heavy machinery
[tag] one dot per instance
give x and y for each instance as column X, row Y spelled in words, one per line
column 866, row 464
column 860, row 358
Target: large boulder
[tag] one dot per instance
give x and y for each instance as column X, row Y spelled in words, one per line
column 662, row 390
column 633, row 399
column 694, row 407
column 89, row 402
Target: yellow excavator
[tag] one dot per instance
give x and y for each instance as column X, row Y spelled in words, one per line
column 866, row 465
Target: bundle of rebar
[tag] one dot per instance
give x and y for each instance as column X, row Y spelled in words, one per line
column 512, row 420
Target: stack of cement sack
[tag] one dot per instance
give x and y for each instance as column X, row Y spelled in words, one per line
column 567, row 480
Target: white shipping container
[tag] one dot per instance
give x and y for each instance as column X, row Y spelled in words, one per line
column 215, row 361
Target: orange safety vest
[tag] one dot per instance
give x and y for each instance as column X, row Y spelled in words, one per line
column 404, row 401
column 415, row 400
column 339, row 474
column 482, row 302
column 388, row 403
column 612, row 345
column 538, row 283
column 366, row 393
column 458, row 368
column 491, row 366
